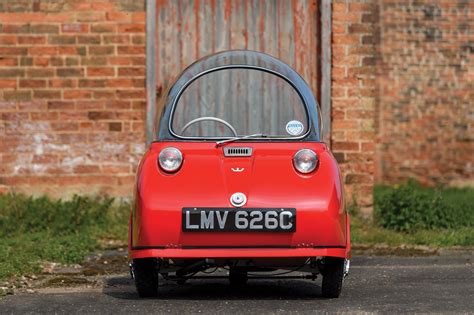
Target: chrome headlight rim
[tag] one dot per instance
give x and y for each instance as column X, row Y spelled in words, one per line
column 297, row 164
column 170, row 159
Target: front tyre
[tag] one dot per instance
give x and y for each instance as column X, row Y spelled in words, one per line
column 333, row 276
column 146, row 277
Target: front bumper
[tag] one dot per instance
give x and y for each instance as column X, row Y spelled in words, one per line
column 342, row 252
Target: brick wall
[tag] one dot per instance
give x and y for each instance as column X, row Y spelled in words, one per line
column 426, row 81
column 72, row 95
column 353, row 96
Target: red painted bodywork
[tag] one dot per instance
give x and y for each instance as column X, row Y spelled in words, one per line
column 269, row 180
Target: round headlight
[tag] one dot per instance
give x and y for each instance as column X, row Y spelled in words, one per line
column 305, row 161
column 170, row 159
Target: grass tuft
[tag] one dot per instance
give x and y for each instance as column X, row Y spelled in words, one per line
column 33, row 230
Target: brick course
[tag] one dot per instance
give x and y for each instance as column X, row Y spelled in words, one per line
column 72, row 96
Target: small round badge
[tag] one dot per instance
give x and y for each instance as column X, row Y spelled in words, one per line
column 294, row 127
column 238, row 199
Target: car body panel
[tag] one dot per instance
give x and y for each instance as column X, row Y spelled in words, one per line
column 268, row 179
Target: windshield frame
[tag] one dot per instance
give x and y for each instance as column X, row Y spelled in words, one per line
column 238, row 66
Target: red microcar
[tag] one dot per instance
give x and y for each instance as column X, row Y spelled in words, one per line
column 239, row 181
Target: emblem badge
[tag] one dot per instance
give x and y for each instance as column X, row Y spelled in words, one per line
column 238, row 199
column 237, row 169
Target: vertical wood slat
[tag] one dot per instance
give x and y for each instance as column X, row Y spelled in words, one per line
column 150, row 70
column 326, row 69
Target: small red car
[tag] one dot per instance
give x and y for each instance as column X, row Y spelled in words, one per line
column 239, row 179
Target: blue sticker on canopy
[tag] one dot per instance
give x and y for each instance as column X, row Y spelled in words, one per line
column 294, row 127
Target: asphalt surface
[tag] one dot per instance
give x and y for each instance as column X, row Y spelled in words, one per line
column 438, row 284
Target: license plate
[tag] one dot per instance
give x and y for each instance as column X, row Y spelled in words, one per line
column 239, row 220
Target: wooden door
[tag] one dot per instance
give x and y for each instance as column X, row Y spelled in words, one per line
column 188, row 30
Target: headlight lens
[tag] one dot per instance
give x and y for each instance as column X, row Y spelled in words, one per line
column 305, row 161
column 170, row 159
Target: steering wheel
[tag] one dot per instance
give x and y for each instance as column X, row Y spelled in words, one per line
column 222, row 121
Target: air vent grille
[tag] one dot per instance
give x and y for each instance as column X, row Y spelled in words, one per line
column 237, row 151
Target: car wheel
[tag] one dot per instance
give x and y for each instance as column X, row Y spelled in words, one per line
column 146, row 277
column 237, row 276
column 333, row 276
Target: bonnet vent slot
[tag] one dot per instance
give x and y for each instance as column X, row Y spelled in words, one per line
column 236, row 151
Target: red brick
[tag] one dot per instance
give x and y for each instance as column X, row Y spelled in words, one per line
column 358, row 179
column 88, row 39
column 47, row 94
column 7, row 83
column 62, row 40
column 64, row 126
column 8, row 40
column 361, row 7
column 43, row 50
column 91, row 83
column 40, row 73
column 131, row 50
column 6, row 61
column 139, row 17
column 104, row 94
column 41, row 61
column 101, row 115
column 118, row 16
column 90, row 16
column 44, row 116
column 131, row 28
column 103, row 28
column 115, row 126
column 30, row 83
column 62, row 83
column 77, row 94
column 70, row 72
column 139, row 39
column 32, row 40
column 119, row 83
column 15, row 51
column 116, row 39
column 88, row 105
column 131, row 72
column 138, row 60
column 16, row 28
column 131, row 93
column 120, row 61
column 118, row 104
column 100, row 72
column 75, row 28
column 71, row 50
column 72, row 115
column 44, row 28
column 102, row 6
column 101, row 50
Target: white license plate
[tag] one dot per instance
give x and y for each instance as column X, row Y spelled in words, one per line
column 239, row 219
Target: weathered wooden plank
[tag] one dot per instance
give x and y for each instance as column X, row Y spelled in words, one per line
column 188, row 36
column 253, row 108
column 221, row 43
column 150, row 71
column 326, row 70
